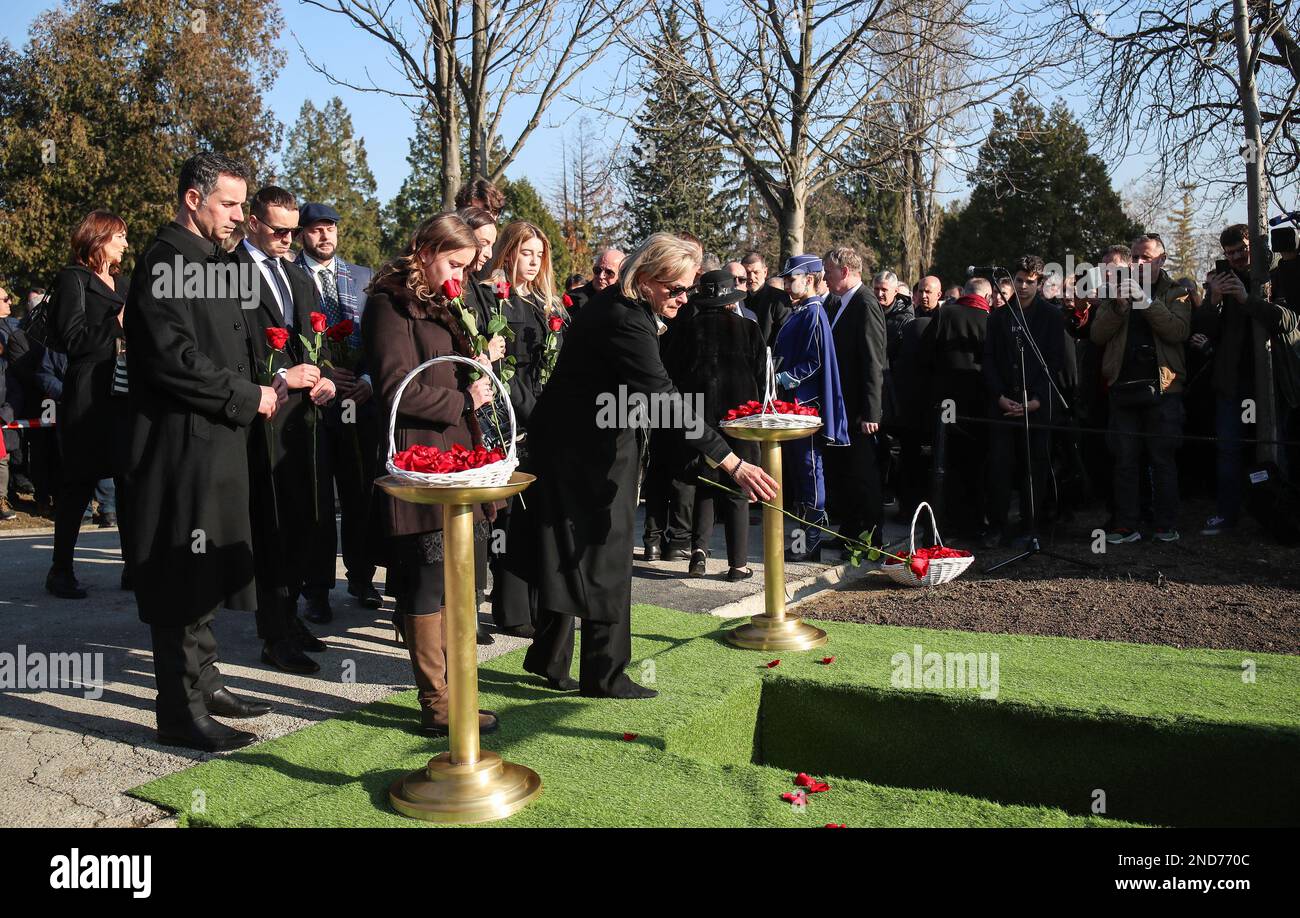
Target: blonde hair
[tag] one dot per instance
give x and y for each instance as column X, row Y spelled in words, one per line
column 505, row 259
column 438, row 234
column 662, row 255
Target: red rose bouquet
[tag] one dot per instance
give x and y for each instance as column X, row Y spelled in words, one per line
column 431, row 460
column 919, row 560
column 777, row 406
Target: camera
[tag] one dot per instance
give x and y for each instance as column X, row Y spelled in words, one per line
column 1283, row 240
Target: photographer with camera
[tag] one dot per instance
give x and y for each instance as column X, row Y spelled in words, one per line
column 1024, row 356
column 1142, row 321
column 1230, row 313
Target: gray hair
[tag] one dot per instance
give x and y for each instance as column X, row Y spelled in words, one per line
column 202, row 171
column 978, row 286
column 844, row 257
column 885, row 277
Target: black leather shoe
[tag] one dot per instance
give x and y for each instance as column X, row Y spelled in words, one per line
column 318, row 610
column 64, row 585
column 302, row 635
column 677, row 553
column 736, row 574
column 564, row 684
column 623, row 688
column 224, row 703
column 652, row 553
column 367, row 596
column 484, row 637
column 697, row 564
column 519, row 631
column 286, row 656
column 205, row 734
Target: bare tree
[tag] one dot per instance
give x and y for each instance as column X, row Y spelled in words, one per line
column 472, row 61
column 795, row 85
column 1214, row 90
column 585, row 195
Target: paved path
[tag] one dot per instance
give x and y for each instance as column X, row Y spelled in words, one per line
column 65, row 758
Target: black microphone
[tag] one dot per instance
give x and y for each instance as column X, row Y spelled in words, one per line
column 1287, row 217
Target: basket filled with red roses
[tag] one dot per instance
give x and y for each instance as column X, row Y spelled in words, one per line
column 461, row 466
column 925, row 567
column 772, row 413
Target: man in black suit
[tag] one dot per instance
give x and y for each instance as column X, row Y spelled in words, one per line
column 858, row 329
column 193, row 396
column 286, row 475
column 770, row 305
column 351, row 425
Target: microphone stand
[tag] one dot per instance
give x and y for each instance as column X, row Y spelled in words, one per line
column 1035, row 547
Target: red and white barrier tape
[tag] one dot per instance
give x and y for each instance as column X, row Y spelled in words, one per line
column 26, row 425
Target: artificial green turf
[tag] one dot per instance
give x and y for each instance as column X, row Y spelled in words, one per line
column 1071, row 717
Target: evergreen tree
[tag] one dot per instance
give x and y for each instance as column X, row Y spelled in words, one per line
column 1037, row 190
column 108, row 99
column 421, row 193
column 671, row 175
column 326, row 163
column 524, row 203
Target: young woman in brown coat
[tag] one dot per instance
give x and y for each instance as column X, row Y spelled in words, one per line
column 408, row 320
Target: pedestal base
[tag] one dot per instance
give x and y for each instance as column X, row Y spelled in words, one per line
column 445, row 792
column 765, row 632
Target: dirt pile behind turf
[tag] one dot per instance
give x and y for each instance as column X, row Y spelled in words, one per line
column 1234, row 591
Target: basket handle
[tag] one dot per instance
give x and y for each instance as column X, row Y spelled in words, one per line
column 455, row 358
column 933, row 525
column 769, row 388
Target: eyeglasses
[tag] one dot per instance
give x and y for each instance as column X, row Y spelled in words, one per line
column 277, row 230
column 675, row 291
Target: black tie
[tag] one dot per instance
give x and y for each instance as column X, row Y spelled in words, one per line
column 286, row 298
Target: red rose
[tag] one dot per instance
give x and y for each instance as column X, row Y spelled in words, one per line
column 503, row 289
column 568, row 301
column 555, row 323
column 277, row 338
column 451, row 287
column 318, row 322
column 339, row 331
column 920, row 566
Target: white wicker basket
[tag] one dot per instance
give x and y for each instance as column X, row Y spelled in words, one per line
column 494, row 473
column 771, row 420
column 941, row 570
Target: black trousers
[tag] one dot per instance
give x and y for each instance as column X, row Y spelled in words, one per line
column 606, row 650
column 668, row 502
column 965, row 477
column 853, row 484
column 347, row 465
column 185, row 669
column 734, row 511
column 69, row 510
column 1008, row 463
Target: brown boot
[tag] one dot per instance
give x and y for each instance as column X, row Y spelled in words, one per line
column 426, row 642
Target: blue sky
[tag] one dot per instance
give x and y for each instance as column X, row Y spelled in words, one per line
column 385, row 123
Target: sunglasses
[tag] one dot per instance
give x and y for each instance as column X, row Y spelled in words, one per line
column 278, row 230
column 675, row 291
column 605, row 272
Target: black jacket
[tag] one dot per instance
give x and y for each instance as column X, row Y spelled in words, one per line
column 1002, row 372
column 859, row 334
column 193, row 396
column 771, row 307
column 84, row 325
column 582, row 510
column 719, row 356
column 953, row 354
column 529, row 327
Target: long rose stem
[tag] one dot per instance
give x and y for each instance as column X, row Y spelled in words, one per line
column 857, row 543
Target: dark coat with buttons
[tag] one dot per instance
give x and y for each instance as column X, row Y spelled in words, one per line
column 193, row 397
column 84, row 325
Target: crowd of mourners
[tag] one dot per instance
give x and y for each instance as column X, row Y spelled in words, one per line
column 251, row 426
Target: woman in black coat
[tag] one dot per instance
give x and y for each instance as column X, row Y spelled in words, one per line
column 86, row 316
column 578, row 552
column 717, row 357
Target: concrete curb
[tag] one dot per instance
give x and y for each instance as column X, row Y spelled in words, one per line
column 832, row 578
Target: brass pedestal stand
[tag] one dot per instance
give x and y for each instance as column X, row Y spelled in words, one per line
column 466, row 784
column 774, row 630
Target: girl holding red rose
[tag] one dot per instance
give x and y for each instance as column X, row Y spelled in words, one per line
column 408, row 320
